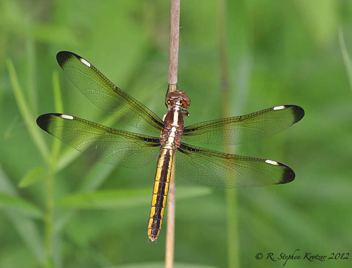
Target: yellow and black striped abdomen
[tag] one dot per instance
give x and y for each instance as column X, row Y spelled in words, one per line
column 160, row 191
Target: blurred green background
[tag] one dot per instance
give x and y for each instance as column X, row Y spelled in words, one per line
column 279, row 52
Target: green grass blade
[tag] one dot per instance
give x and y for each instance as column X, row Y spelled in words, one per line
column 127, row 198
column 346, row 57
column 59, row 109
column 26, row 113
column 108, row 199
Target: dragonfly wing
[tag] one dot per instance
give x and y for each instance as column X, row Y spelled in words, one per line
column 222, row 170
column 245, row 128
column 104, row 94
column 105, row 144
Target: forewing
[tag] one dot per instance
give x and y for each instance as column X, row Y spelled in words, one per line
column 108, row 97
column 245, row 128
column 222, row 170
column 99, row 142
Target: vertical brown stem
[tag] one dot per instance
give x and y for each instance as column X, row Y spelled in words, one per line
column 174, row 41
column 172, row 80
column 170, row 227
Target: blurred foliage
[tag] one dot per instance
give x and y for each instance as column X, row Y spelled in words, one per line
column 280, row 52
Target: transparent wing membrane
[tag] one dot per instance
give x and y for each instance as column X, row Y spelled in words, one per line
column 104, row 94
column 222, row 170
column 102, row 143
column 245, row 128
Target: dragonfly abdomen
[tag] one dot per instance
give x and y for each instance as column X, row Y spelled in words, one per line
column 160, row 191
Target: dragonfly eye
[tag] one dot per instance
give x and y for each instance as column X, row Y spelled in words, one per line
column 178, row 95
column 186, row 101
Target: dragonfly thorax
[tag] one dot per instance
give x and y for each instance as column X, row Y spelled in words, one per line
column 173, row 126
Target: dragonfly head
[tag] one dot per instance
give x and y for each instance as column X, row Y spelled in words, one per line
column 178, row 96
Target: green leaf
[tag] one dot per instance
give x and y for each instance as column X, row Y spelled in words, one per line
column 33, row 176
column 114, row 199
column 108, row 199
column 346, row 57
column 19, row 204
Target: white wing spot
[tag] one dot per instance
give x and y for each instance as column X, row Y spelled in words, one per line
column 66, row 116
column 279, row 107
column 272, row 162
column 85, row 62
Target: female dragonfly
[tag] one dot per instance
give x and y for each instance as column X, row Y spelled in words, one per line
column 132, row 150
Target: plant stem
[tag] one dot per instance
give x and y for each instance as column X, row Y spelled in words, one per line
column 170, row 228
column 174, row 41
column 49, row 217
column 172, row 80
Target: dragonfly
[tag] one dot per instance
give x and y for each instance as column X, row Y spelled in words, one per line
column 168, row 139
